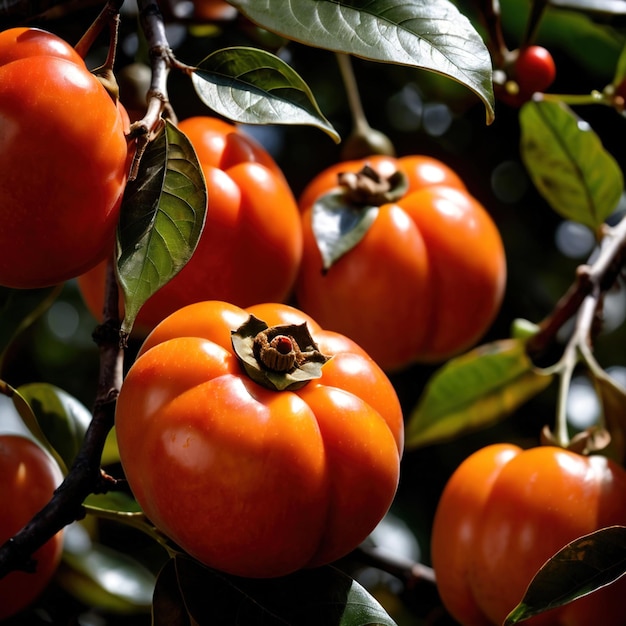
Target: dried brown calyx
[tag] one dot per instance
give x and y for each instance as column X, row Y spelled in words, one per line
column 278, row 357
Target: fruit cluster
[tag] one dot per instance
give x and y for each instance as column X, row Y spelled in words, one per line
column 430, row 259
column 391, row 261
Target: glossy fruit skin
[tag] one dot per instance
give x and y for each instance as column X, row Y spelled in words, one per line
column 251, row 481
column 213, row 10
column 504, row 512
column 425, row 282
column 63, row 155
column 251, row 246
column 535, row 70
column 29, row 478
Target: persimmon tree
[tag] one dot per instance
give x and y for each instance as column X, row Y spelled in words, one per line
column 504, row 94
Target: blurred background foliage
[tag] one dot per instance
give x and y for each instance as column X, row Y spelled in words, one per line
column 421, row 113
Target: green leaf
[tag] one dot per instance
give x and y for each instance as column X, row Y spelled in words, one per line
column 30, row 421
column 583, row 566
column 568, row 164
column 252, row 86
column 426, row 34
column 162, row 218
column 61, row 417
column 474, row 391
column 19, row 308
column 523, row 329
column 339, row 227
column 104, row 578
column 307, row 598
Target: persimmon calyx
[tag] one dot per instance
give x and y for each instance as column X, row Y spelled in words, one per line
column 368, row 187
column 341, row 218
column 278, row 357
column 594, row 440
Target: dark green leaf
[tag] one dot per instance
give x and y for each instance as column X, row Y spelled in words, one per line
column 474, row 391
column 107, row 579
column 30, row 421
column 568, row 164
column 339, row 227
column 612, row 397
column 62, row 418
column 581, row 567
column 427, row 34
column 19, row 308
column 253, row 86
column 162, row 217
column 307, row 598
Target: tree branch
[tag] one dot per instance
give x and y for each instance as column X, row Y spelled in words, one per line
column 598, row 276
column 85, row 476
column 162, row 60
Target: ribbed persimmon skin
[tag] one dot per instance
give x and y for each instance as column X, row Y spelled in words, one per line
column 504, row 512
column 249, row 480
column 424, row 283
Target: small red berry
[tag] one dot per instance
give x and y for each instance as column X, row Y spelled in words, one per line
column 535, row 70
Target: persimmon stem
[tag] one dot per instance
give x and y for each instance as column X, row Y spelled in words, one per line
column 567, row 366
column 359, row 120
column 363, row 140
column 108, row 17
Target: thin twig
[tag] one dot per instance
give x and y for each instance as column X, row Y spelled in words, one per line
column 405, row 569
column 537, row 10
column 490, row 14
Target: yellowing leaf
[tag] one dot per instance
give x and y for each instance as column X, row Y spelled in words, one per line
column 474, row 391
